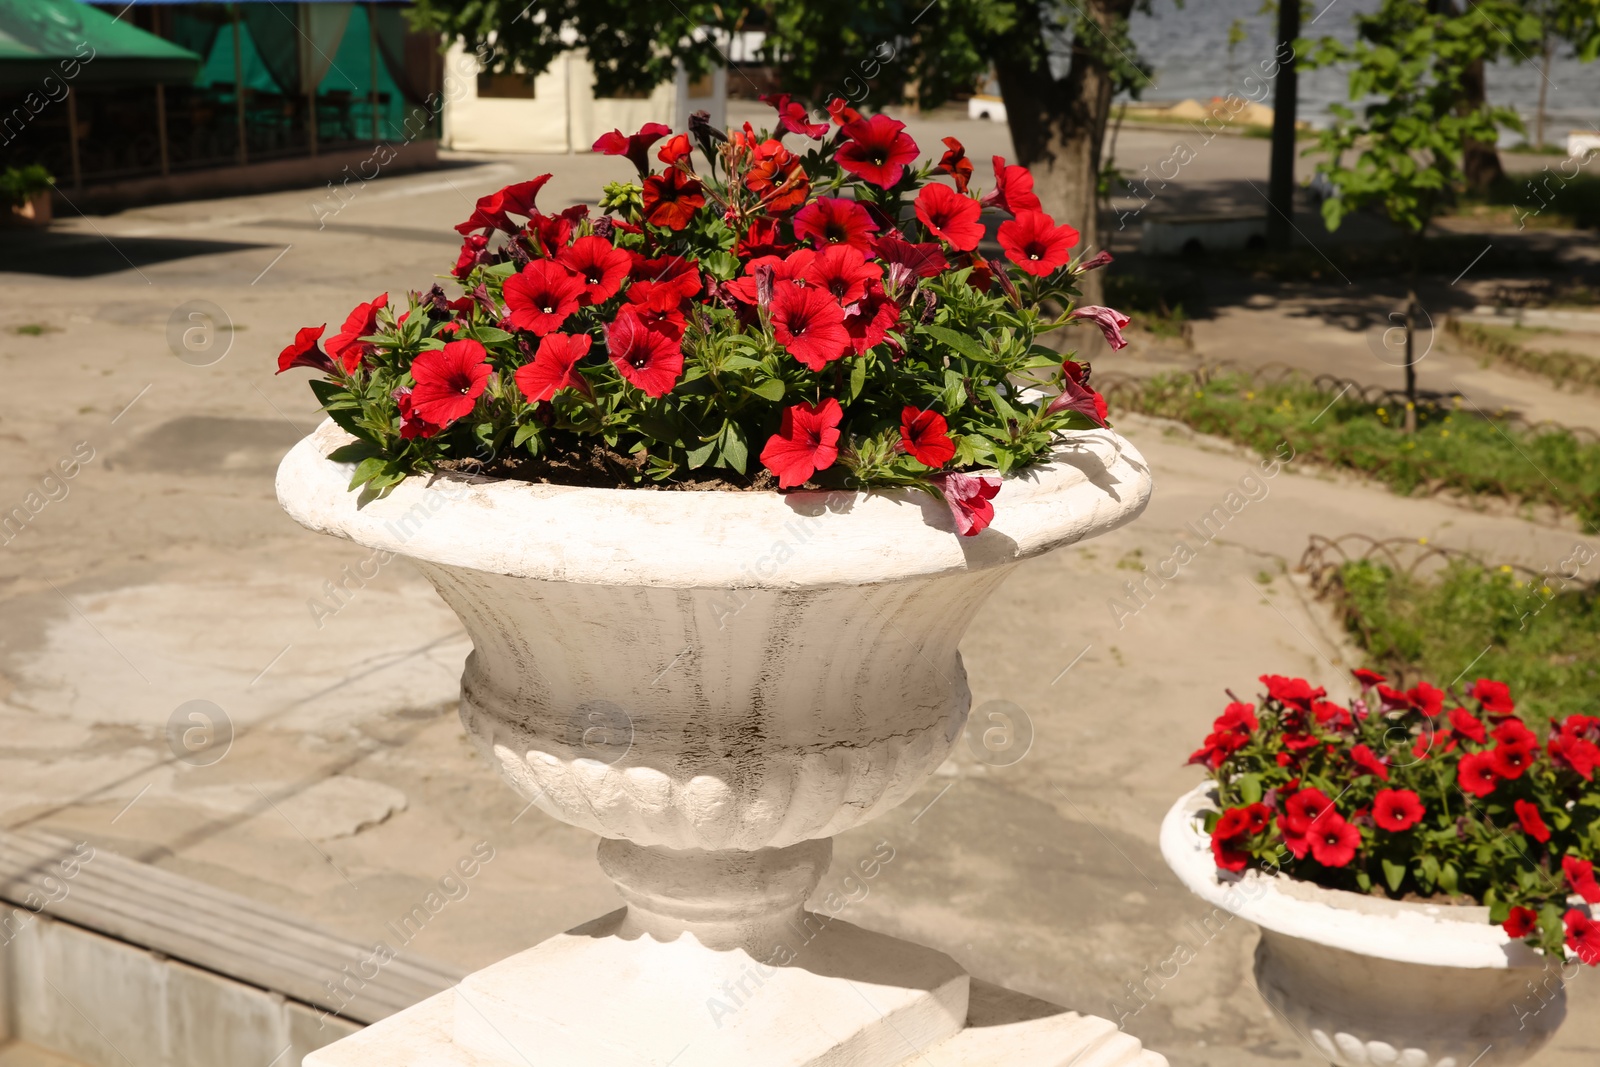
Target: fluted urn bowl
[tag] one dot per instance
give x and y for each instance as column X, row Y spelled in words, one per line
column 714, row 670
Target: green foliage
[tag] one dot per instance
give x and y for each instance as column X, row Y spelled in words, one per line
column 868, row 51
column 1504, row 344
column 18, row 185
column 1408, row 144
column 1452, row 449
column 1542, row 634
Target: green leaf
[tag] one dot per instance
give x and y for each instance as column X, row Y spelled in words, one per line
column 341, row 407
column 487, row 335
column 699, row 455
column 1394, row 874
column 858, row 377
column 771, row 389
column 525, row 431
column 355, row 452
column 734, row 450
column 366, row 471
column 1249, row 788
column 960, row 342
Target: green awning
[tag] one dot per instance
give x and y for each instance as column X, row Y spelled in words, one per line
column 78, row 44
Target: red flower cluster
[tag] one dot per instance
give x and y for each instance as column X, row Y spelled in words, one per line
column 1396, row 793
column 854, row 338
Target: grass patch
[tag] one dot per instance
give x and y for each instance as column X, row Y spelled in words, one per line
column 1500, row 344
column 1544, row 199
column 1543, row 637
column 32, row 329
column 1452, row 448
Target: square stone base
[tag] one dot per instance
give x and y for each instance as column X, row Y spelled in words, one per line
column 851, row 998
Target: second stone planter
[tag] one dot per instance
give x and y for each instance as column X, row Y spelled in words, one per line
column 1372, row 982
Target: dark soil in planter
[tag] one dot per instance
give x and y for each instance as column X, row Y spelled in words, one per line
column 596, row 466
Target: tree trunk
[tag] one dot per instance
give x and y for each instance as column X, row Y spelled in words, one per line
column 1058, row 127
column 1480, row 161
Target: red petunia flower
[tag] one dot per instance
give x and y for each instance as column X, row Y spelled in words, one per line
column 551, row 233
column 950, row 215
column 1580, row 878
column 790, row 269
column 1394, row 699
column 675, row 149
column 1295, row 692
column 1426, row 699
column 474, row 251
column 1076, row 395
column 1013, row 189
column 643, row 305
column 968, row 496
column 412, row 425
column 346, row 346
column 599, row 265
column 1583, row 936
column 955, row 163
column 1514, row 731
column 648, row 358
column 1227, row 857
column 810, row 324
column 1532, row 822
column 1368, row 761
column 541, row 296
column 1396, row 810
column 841, row 112
column 877, row 151
column 923, row 260
column 554, row 367
column 1334, row 841
column 926, row 437
column 1238, row 717
column 449, row 381
column 678, row 277
column 764, row 238
column 1468, row 725
column 1305, row 807
column 1367, row 678
column 806, row 442
column 1295, row 838
column 869, row 320
column 672, row 198
column 1521, row 922
column 492, row 211
column 1035, row 243
column 842, row 272
column 793, row 117
column 1511, row 760
column 1495, row 697
column 303, row 352
column 776, row 176
column 636, row 147
column 835, row 220
column 1570, row 747
column 1476, row 774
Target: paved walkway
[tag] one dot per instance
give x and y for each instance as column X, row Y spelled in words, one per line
column 167, row 574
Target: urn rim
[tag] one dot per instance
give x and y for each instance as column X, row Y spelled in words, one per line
column 1095, row 482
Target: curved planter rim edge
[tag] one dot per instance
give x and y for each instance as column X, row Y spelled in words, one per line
column 1439, row 935
column 1097, row 481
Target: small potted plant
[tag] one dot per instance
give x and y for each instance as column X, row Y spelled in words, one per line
column 799, row 325
column 1420, row 865
column 26, row 192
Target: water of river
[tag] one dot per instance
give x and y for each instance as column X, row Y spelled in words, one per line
column 1188, row 47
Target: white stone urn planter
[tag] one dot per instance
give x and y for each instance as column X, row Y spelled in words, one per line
column 1373, row 982
column 716, row 683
